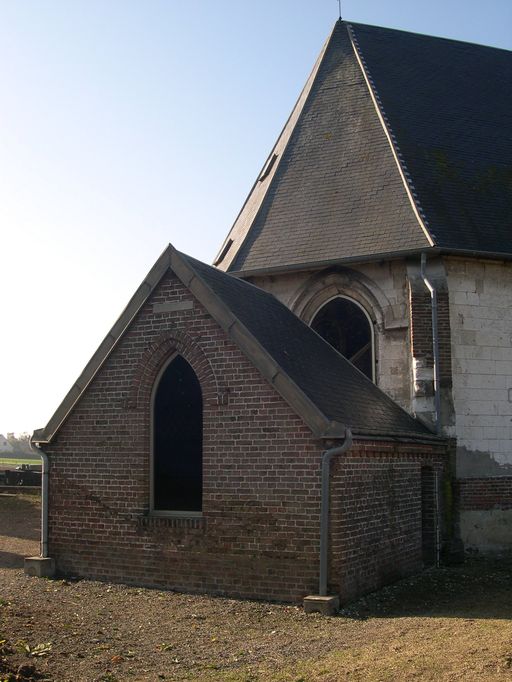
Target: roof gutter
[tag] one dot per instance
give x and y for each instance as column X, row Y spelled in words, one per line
column 320, row 264
column 371, row 258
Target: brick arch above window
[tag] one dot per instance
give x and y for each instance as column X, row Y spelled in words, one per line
column 158, row 353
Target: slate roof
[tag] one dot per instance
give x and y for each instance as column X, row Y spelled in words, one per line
column 339, row 390
column 324, row 388
column 399, row 143
column 449, row 104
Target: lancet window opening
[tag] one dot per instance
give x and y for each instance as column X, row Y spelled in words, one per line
column 176, row 476
column 347, row 326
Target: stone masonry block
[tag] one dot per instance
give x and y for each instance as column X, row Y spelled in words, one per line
column 327, row 606
column 40, row 567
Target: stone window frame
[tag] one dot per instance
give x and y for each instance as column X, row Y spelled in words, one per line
column 353, row 286
column 370, row 323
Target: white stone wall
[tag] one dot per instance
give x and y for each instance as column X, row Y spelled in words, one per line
column 386, row 283
column 481, row 335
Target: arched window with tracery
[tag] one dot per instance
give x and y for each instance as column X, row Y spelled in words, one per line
column 347, row 327
column 177, row 440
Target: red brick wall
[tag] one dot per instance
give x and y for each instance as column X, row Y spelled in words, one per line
column 421, row 324
column 421, row 330
column 377, row 514
column 483, row 494
column 258, row 536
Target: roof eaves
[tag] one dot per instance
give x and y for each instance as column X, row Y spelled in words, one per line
column 321, row 426
column 398, row 436
column 45, row 435
column 392, row 140
column 307, row 266
column 321, row 264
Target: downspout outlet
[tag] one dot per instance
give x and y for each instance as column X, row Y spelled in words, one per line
column 42, row 566
column 322, row 602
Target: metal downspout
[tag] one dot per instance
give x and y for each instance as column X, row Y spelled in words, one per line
column 327, row 456
column 438, row 518
column 435, row 341
column 44, row 499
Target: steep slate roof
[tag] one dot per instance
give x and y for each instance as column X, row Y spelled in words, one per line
column 399, row 143
column 324, row 388
column 450, row 106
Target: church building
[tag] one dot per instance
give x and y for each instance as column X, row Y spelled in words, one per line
column 328, row 407
column 384, row 212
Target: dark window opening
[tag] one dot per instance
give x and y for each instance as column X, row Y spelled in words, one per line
column 345, row 326
column 178, row 440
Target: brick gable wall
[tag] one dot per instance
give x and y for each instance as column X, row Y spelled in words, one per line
column 258, row 536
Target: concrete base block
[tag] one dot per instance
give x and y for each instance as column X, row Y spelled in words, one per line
column 327, row 606
column 40, row 567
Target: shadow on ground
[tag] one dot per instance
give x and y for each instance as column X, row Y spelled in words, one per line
column 19, row 517
column 446, row 592
column 11, row 560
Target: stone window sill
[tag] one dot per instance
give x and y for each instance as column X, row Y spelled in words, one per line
column 170, row 521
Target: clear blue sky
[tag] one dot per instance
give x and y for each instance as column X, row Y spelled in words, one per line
column 126, row 125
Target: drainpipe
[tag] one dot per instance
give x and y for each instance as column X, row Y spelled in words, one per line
column 435, row 342
column 438, row 519
column 44, row 499
column 327, row 456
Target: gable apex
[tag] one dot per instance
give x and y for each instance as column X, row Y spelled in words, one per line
column 181, row 267
column 305, row 370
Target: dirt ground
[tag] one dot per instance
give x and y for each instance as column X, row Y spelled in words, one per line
column 447, row 624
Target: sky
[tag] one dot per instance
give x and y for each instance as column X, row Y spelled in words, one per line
column 127, row 125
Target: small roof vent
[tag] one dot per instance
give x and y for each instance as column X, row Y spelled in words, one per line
column 268, row 167
column 224, row 252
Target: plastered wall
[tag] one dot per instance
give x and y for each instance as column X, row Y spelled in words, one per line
column 481, row 328
column 481, row 332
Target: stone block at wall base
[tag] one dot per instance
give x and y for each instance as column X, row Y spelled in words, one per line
column 40, row 567
column 327, row 606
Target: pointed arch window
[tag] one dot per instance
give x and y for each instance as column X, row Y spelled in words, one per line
column 177, row 441
column 346, row 325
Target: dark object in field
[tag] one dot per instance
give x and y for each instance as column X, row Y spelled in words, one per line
column 24, row 474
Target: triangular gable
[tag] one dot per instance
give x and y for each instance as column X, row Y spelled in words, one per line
column 172, row 259
column 304, row 369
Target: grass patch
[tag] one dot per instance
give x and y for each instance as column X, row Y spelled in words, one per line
column 6, row 462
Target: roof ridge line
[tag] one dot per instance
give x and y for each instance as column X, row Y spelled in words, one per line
column 420, row 34
column 391, row 137
column 284, row 136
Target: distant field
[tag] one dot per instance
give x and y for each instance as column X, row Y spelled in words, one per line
column 14, row 461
